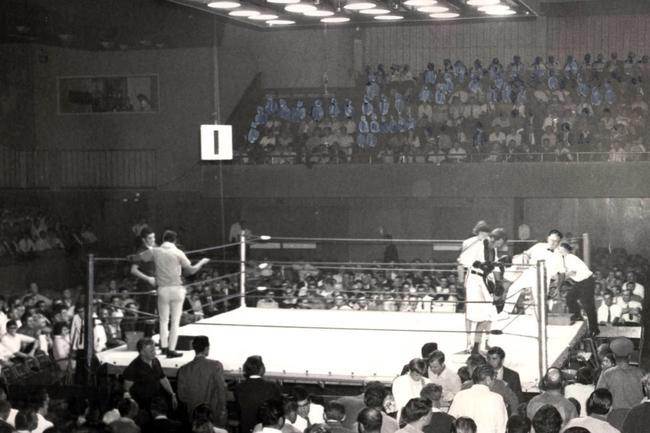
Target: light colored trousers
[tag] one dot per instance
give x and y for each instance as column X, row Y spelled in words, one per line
column 170, row 303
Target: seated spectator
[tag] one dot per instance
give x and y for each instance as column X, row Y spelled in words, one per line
column 22, row 347
column 370, row 420
column 61, row 348
column 441, row 422
column 491, row 415
column 582, row 389
column 438, row 373
column 630, row 309
column 161, row 423
column 271, row 415
column 599, row 405
column 268, row 301
column 547, row 419
column 128, row 409
column 465, row 425
column 518, row 424
column 552, row 384
column 638, row 289
column 308, row 412
column 39, row 402
column 609, row 313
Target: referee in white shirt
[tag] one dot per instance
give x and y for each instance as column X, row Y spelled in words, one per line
column 583, row 287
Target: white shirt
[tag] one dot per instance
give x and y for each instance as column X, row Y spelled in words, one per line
column 613, row 310
column 169, row 260
column 14, row 342
column 580, row 392
column 42, row 425
column 639, row 290
column 405, row 388
column 593, row 425
column 575, row 268
column 11, row 419
column 630, row 317
column 472, row 253
column 490, row 414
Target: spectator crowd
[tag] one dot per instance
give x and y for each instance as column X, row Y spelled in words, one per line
column 590, row 109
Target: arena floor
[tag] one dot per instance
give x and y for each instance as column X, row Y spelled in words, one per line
column 347, row 347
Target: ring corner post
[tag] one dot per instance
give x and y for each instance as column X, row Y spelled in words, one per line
column 242, row 269
column 586, row 249
column 89, row 343
column 542, row 318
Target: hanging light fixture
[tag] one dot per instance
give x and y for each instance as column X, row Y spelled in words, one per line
column 374, row 11
column 224, row 4
column 483, row 2
column 280, row 22
column 335, row 20
column 359, row 5
column 318, row 13
column 433, row 9
column 263, row 17
column 243, row 13
column 300, row 8
column 389, row 17
column 420, row 2
column 445, row 15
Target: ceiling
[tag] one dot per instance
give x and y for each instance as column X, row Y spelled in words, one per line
column 159, row 24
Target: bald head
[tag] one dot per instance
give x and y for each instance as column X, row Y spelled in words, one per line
column 369, row 420
column 553, row 379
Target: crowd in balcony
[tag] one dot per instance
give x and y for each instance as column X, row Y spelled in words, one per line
column 594, row 109
column 28, row 233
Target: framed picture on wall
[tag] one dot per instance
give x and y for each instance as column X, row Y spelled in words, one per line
column 108, row 94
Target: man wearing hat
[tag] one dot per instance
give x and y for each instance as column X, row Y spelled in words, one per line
column 623, row 380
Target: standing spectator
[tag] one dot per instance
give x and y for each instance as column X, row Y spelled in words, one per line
column 61, row 348
column 308, row 412
column 416, row 414
column 253, row 392
column 409, row 385
column 441, row 422
column 552, row 395
column 491, row 415
column 582, row 389
column 599, row 405
column 443, row 376
column 622, row 380
column 547, row 420
column 370, row 420
column 201, row 381
column 271, row 415
column 144, row 378
column 638, row 418
column 495, row 357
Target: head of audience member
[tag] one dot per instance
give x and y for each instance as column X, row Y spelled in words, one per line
column 290, row 406
column 146, row 349
column 474, row 361
column 148, row 237
column 303, row 399
column 201, row 345
column 608, row 297
column 433, row 393
column 12, row 327
column 553, row 381
column 170, row 236
column 607, row 361
column 374, row 397
column 39, row 401
column 437, row 362
column 622, row 348
column 202, row 425
column 417, row 413
column 334, row 412
column 495, row 357
column 26, row 420
column 128, row 408
column 369, row 420
column 202, row 412
column 464, row 374
column 547, row 419
column 417, row 369
column 599, row 402
column 427, row 349
column 554, row 238
column 585, row 376
column 518, row 424
column 483, row 375
column 577, row 429
column 575, row 404
column 253, row 366
column 271, row 414
column 498, row 237
column 464, row 424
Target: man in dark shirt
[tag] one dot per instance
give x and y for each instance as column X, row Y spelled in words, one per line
column 146, row 282
column 253, row 392
column 144, row 378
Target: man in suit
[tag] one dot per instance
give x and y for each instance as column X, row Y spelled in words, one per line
column 253, row 392
column 160, row 423
column 201, row 382
column 495, row 357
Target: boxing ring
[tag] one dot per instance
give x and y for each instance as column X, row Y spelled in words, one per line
column 347, row 347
